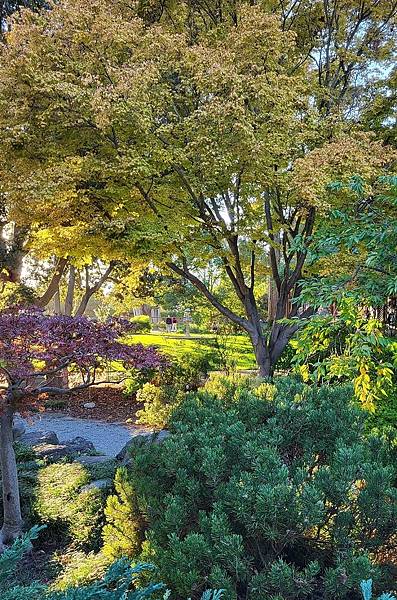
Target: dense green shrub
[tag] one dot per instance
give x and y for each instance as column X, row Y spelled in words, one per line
column 229, row 387
column 73, row 514
column 120, row 582
column 187, row 373
column 167, row 389
column 24, row 453
column 124, row 530
column 142, row 324
column 384, row 418
column 103, row 470
column 79, row 569
column 158, row 404
column 276, row 493
column 136, row 379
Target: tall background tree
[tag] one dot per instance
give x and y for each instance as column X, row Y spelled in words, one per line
column 12, row 237
column 187, row 132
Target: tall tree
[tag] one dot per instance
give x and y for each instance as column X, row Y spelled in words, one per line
column 206, row 131
column 12, row 237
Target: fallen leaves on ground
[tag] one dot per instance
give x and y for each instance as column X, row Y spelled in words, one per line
column 110, row 404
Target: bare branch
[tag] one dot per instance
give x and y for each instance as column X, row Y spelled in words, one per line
column 184, row 272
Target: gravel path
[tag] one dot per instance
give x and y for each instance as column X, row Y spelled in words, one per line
column 108, row 438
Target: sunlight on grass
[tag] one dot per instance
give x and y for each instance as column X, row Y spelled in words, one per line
column 178, row 345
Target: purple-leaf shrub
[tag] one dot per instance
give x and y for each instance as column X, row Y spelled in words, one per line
column 34, row 345
column 34, row 350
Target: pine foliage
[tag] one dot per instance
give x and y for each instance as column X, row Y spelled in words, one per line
column 266, row 492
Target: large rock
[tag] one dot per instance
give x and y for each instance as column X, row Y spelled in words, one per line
column 39, row 438
column 18, row 427
column 71, row 448
column 141, row 440
column 52, row 451
column 80, row 445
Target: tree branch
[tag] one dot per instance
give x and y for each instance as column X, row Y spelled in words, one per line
column 184, row 272
column 92, row 290
column 272, row 252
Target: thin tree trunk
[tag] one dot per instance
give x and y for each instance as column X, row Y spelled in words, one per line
column 53, row 286
column 59, row 380
column 90, row 291
column 70, row 292
column 12, row 518
column 273, row 294
column 272, row 299
column 262, row 355
column 57, row 302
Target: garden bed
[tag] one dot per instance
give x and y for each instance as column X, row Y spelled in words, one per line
column 111, row 404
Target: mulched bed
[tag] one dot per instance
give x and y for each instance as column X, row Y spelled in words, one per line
column 110, row 404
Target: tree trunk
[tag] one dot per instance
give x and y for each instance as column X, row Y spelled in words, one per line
column 16, row 253
column 262, row 354
column 57, row 302
column 272, row 300
column 91, row 290
column 70, row 292
column 59, row 380
column 12, row 518
column 53, row 286
column 273, row 294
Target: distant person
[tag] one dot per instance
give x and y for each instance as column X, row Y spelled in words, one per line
column 174, row 324
column 168, row 324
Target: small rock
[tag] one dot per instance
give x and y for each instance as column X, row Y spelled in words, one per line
column 80, row 445
column 98, row 484
column 38, row 438
column 18, row 427
column 89, row 405
column 140, row 440
column 83, row 459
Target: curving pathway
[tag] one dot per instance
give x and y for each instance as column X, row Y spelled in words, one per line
column 108, row 438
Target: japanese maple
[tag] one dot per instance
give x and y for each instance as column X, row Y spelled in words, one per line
column 34, row 349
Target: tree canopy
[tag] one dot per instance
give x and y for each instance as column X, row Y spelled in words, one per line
column 183, row 133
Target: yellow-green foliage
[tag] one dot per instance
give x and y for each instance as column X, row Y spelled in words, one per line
column 366, row 358
column 123, row 532
column 80, row 569
column 12, row 294
column 231, row 386
column 158, row 404
column 67, row 509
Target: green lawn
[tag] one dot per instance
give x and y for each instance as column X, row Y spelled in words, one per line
column 178, row 345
